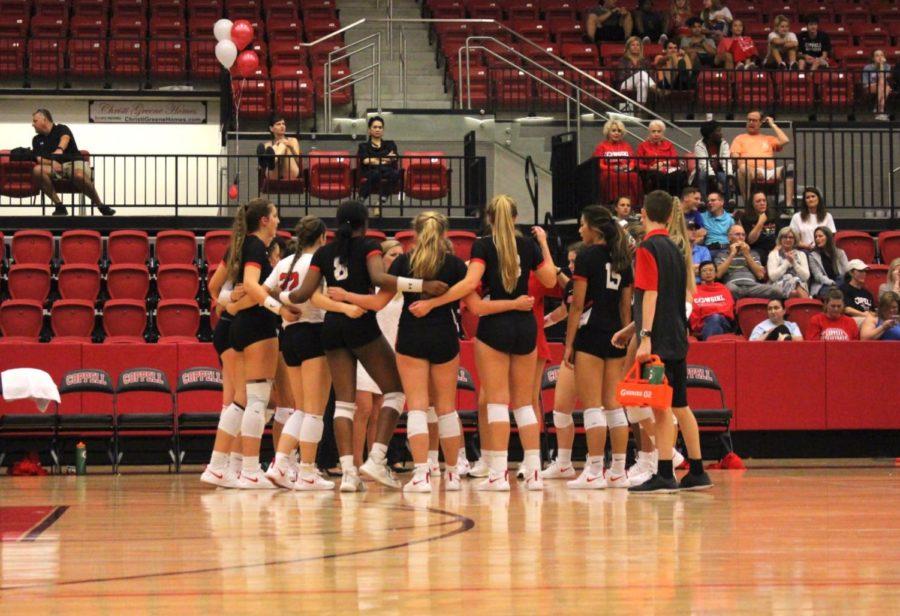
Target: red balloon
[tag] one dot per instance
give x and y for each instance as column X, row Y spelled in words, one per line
column 247, row 63
column 242, row 33
column 233, row 192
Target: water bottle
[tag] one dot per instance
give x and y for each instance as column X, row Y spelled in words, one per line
column 80, row 459
column 654, row 373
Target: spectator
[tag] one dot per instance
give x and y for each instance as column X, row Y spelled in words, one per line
column 859, row 301
column 892, row 284
column 782, row 45
column 716, row 19
column 700, row 48
column 814, row 46
column 679, row 13
column 699, row 252
column 714, row 168
column 280, row 156
column 378, row 162
column 634, row 71
column 673, row 68
column 649, row 23
column 742, row 272
column 883, row 325
column 609, row 23
column 827, row 264
column 659, row 163
column 622, row 211
column 775, row 327
column 755, row 154
column 761, row 225
column 737, row 50
column 616, row 160
column 690, row 207
column 832, row 323
column 717, row 222
column 876, row 81
column 58, row 158
column 713, row 311
column 811, row 216
column 788, row 266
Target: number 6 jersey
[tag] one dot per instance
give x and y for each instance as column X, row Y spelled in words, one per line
column 604, row 287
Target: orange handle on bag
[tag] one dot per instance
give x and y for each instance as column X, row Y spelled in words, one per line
column 635, row 391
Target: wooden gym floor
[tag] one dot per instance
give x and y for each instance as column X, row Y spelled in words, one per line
column 790, row 539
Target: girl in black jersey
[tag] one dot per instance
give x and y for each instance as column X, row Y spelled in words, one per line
column 353, row 263
column 604, row 283
column 506, row 342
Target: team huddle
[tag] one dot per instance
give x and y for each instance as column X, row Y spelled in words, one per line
column 624, row 301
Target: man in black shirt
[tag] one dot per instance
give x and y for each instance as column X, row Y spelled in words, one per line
column 378, row 163
column 814, row 46
column 58, row 157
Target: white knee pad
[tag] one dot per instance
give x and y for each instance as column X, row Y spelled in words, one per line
column 497, row 413
column 432, row 415
column 293, row 424
column 344, row 409
column 282, row 413
column 448, row 425
column 616, row 418
column 394, row 400
column 637, row 414
column 594, row 418
column 416, row 423
column 312, row 428
column 230, row 419
column 561, row 420
column 254, row 421
column 525, row 416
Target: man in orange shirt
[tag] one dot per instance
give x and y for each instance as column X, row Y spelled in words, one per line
column 754, row 155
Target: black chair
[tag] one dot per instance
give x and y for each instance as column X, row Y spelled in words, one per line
column 197, row 423
column 28, row 426
column 718, row 419
column 139, row 423
column 92, row 421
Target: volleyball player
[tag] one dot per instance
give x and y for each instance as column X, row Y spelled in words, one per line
column 282, row 398
column 353, row 262
column 603, row 281
column 505, row 342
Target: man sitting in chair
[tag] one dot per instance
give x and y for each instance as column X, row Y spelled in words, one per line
column 754, row 155
column 59, row 158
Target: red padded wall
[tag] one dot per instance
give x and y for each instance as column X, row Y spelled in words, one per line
column 863, row 383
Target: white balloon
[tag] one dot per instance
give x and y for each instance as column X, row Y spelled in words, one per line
column 222, row 29
column 226, row 53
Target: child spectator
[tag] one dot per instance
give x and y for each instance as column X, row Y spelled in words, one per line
column 713, row 311
column 775, row 327
column 832, row 323
column 783, row 45
column 814, row 46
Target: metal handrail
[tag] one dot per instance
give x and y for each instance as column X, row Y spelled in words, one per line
column 371, row 43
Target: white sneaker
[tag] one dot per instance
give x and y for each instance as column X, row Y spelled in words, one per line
column 533, row 480
column 380, row 473
column 254, row 481
column 494, row 483
column 617, row 481
column 434, row 469
column 587, row 480
column 294, row 467
column 451, row 482
column 639, row 476
column 224, row 478
column 351, row 482
column 420, row 482
column 310, row 482
column 479, row 470
column 462, row 467
column 555, row 471
column 677, row 459
column 281, row 478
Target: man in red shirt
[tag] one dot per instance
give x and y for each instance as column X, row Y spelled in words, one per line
column 737, row 50
column 832, row 324
column 658, row 162
column 713, row 311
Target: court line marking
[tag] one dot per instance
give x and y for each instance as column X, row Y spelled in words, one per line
column 44, row 524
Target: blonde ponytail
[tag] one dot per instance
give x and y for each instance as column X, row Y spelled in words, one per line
column 428, row 255
column 678, row 233
column 238, row 235
column 501, row 213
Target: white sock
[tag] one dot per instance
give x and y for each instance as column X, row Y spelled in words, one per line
column 250, row 465
column 310, row 469
column 462, row 454
column 532, row 460
column 486, row 455
column 218, row 460
column 596, row 464
column 378, row 453
column 618, row 463
column 236, row 462
column 421, row 469
column 347, row 463
column 564, row 457
column 433, row 457
column 497, row 462
column 281, row 461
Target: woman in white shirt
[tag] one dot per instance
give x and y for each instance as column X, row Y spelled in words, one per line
column 812, row 215
column 786, row 262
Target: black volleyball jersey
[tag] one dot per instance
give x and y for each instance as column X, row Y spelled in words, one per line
column 254, row 253
column 530, row 258
column 353, row 275
column 604, row 286
column 452, row 271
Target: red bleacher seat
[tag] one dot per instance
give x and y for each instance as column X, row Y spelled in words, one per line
column 795, row 89
column 21, row 320
column 426, row 175
column 129, row 8
column 329, row 174
column 177, row 281
column 128, row 246
column 888, row 15
column 288, row 54
column 80, row 246
column 553, row 9
column 407, row 239
column 87, row 57
column 338, row 97
column 124, row 320
column 128, row 27
column 462, row 243
column 478, row 88
column 854, row 58
column 589, row 86
column 851, row 13
column 280, row 28
column 32, row 246
column 749, row 312
column 167, row 27
column 49, row 26
column 202, row 60
column 201, row 28
column 90, row 8
column 753, row 88
column 176, row 247
column 835, row 88
column 15, row 177
column 889, row 246
column 317, row 28
column 840, row 36
column 800, row 311
column 242, row 9
column 72, row 320
column 537, row 31
column 79, row 281
column 177, row 320
column 521, row 9
column 167, row 9
column 484, row 9
column 871, row 35
column 280, row 11
column 611, row 53
column 254, row 95
column 12, row 58
column 446, row 9
column 128, row 281
column 215, row 245
column 714, row 89
column 552, row 96
column 207, row 9
column 14, row 26
column 318, row 9
column 857, row 245
column 29, row 281
column 875, row 277
column 565, row 30
column 46, row 57
column 127, row 57
column 581, row 55
column 294, row 92
column 512, row 88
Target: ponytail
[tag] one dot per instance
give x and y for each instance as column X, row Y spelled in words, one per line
column 238, row 234
column 351, row 216
column 308, row 230
column 601, row 220
column 427, row 257
column 501, row 213
column 678, row 233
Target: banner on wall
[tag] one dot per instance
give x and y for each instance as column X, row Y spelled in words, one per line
column 147, row 112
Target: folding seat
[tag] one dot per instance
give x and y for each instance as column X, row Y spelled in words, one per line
column 857, row 245
column 14, row 24
column 288, row 54
column 32, row 246
column 590, row 87
column 610, row 53
column 537, row 31
column 446, row 9
column 94, row 9
column 476, row 89
column 242, row 9
column 564, row 30
column 79, row 281
column 15, row 176
column 51, row 8
column 753, row 89
column 889, row 245
column 851, row 13
column 462, row 243
column 581, row 55
column 29, row 281
column 342, row 96
column 80, row 246
column 15, row 9
column 553, row 9
column 840, row 36
column 873, row 36
column 294, row 92
column 21, row 320
column 12, row 58
column 285, row 11
column 800, row 311
column 749, row 312
column 129, row 8
column 512, row 89
column 176, row 246
column 255, row 95
column 552, row 96
column 484, row 9
column 329, row 174
column 46, row 57
column 215, row 245
column 72, row 320
column 835, row 88
column 426, row 175
column 128, row 281
column 853, row 58
column 888, row 16
column 206, row 9
column 124, row 321
column 318, row 9
column 127, row 57
column 198, row 399
column 93, row 416
column 128, row 27
column 876, row 275
column 177, row 281
column 168, row 58
column 128, row 246
column 166, row 9
column 407, row 239
column 87, row 48
column 317, row 28
column 201, row 28
column 281, row 29
column 167, row 27
column 794, row 89
column 203, row 63
column 145, row 409
column 521, row 9
column 177, row 320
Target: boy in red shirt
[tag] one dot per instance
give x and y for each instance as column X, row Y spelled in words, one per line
column 737, row 50
column 713, row 311
column 832, row 324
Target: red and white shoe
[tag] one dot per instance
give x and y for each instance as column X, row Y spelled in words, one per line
column 533, row 480
column 223, row 478
column 280, row 477
column 312, row 482
column 420, row 483
column 617, row 481
column 451, row 483
column 255, row 481
column 495, row 482
column 555, row 471
column 588, row 480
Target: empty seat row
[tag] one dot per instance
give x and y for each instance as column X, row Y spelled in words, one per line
column 169, row 9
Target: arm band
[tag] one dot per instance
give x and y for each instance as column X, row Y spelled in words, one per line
column 285, row 297
column 409, row 285
column 273, row 305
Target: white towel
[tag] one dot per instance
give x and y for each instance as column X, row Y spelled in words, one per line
column 22, row 383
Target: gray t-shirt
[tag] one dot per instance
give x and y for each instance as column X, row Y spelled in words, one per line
column 738, row 271
column 687, row 42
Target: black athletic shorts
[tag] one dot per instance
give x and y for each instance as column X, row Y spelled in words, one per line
column 300, row 342
column 342, row 332
column 222, row 334
column 437, row 343
column 509, row 332
column 597, row 342
column 676, row 373
column 252, row 325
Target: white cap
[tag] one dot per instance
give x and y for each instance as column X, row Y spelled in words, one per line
column 857, row 264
